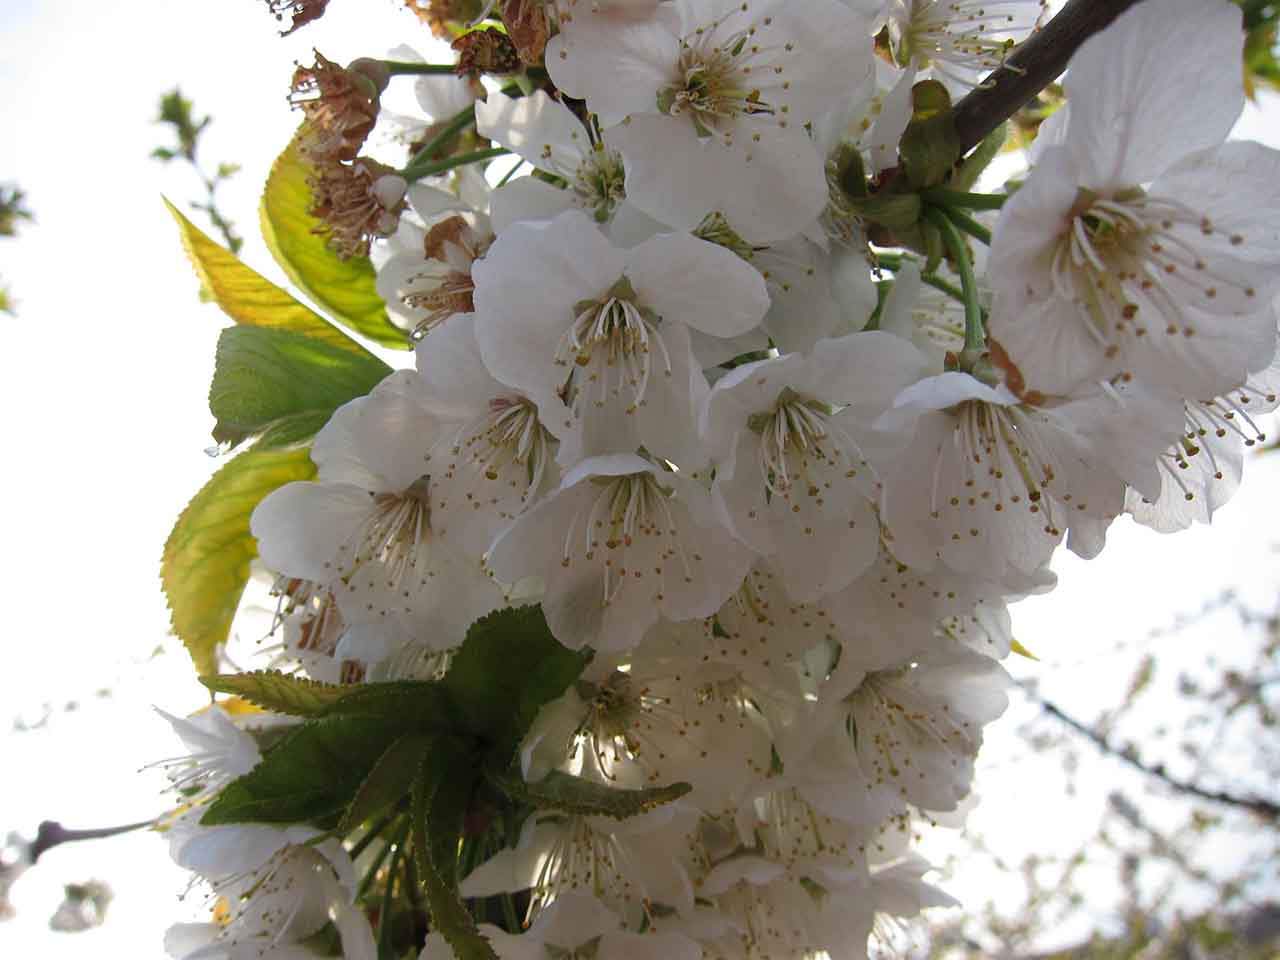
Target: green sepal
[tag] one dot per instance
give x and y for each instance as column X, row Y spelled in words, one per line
column 848, row 171
column 930, row 145
column 283, row 385
column 206, row 559
column 345, row 288
column 933, row 247
column 508, row 667
column 310, row 776
column 389, row 781
column 570, row 794
column 898, row 212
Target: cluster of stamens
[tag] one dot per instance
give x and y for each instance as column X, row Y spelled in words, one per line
column 713, row 84
column 612, row 341
column 1128, row 248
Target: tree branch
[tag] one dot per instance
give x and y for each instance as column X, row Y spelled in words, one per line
column 1255, row 805
column 1032, row 66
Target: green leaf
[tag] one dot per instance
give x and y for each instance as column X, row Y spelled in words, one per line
column 416, row 705
column 508, row 666
column 345, row 288
column 206, row 559
column 279, row 692
column 310, row 776
column 561, row 791
column 441, row 795
column 282, row 384
column 390, row 780
column 249, row 298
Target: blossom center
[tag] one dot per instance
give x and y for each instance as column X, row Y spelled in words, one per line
column 1002, row 460
column 510, row 435
column 1120, row 251
column 712, row 84
column 397, row 528
column 959, row 38
column 612, row 342
column 600, row 182
column 448, row 288
column 629, row 512
column 793, row 436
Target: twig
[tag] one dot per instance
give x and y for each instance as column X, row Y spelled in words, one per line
column 1032, row 66
column 1256, row 805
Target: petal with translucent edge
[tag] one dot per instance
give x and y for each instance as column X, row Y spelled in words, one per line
column 1152, row 87
column 456, row 383
column 768, row 190
column 378, row 441
column 231, row 849
column 544, row 132
column 526, row 288
column 803, row 308
column 572, row 920
column 617, row 59
column 527, row 198
column 514, row 868
column 618, row 545
column 899, row 888
column 701, row 284
column 506, row 945
column 303, row 527
column 433, row 601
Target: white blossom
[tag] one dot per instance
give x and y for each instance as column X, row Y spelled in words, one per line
column 1142, row 244
column 708, row 101
column 620, row 543
column 600, row 336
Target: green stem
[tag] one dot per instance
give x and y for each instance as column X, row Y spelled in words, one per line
column 371, row 835
column 509, row 174
column 402, row 68
column 386, row 949
column 457, row 123
column 942, row 197
column 969, row 225
column 509, row 914
column 974, row 337
column 412, row 172
column 894, row 262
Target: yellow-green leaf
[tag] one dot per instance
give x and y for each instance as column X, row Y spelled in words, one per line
column 345, row 288
column 279, row 692
column 206, row 558
column 249, row 298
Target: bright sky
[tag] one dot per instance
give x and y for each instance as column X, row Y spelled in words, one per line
column 103, row 382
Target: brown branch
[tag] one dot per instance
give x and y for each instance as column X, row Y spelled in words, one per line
column 1033, row 65
column 1255, row 805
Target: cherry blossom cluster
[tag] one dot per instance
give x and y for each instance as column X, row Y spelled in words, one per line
column 781, row 480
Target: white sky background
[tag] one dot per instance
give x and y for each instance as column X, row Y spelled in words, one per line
column 103, row 385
